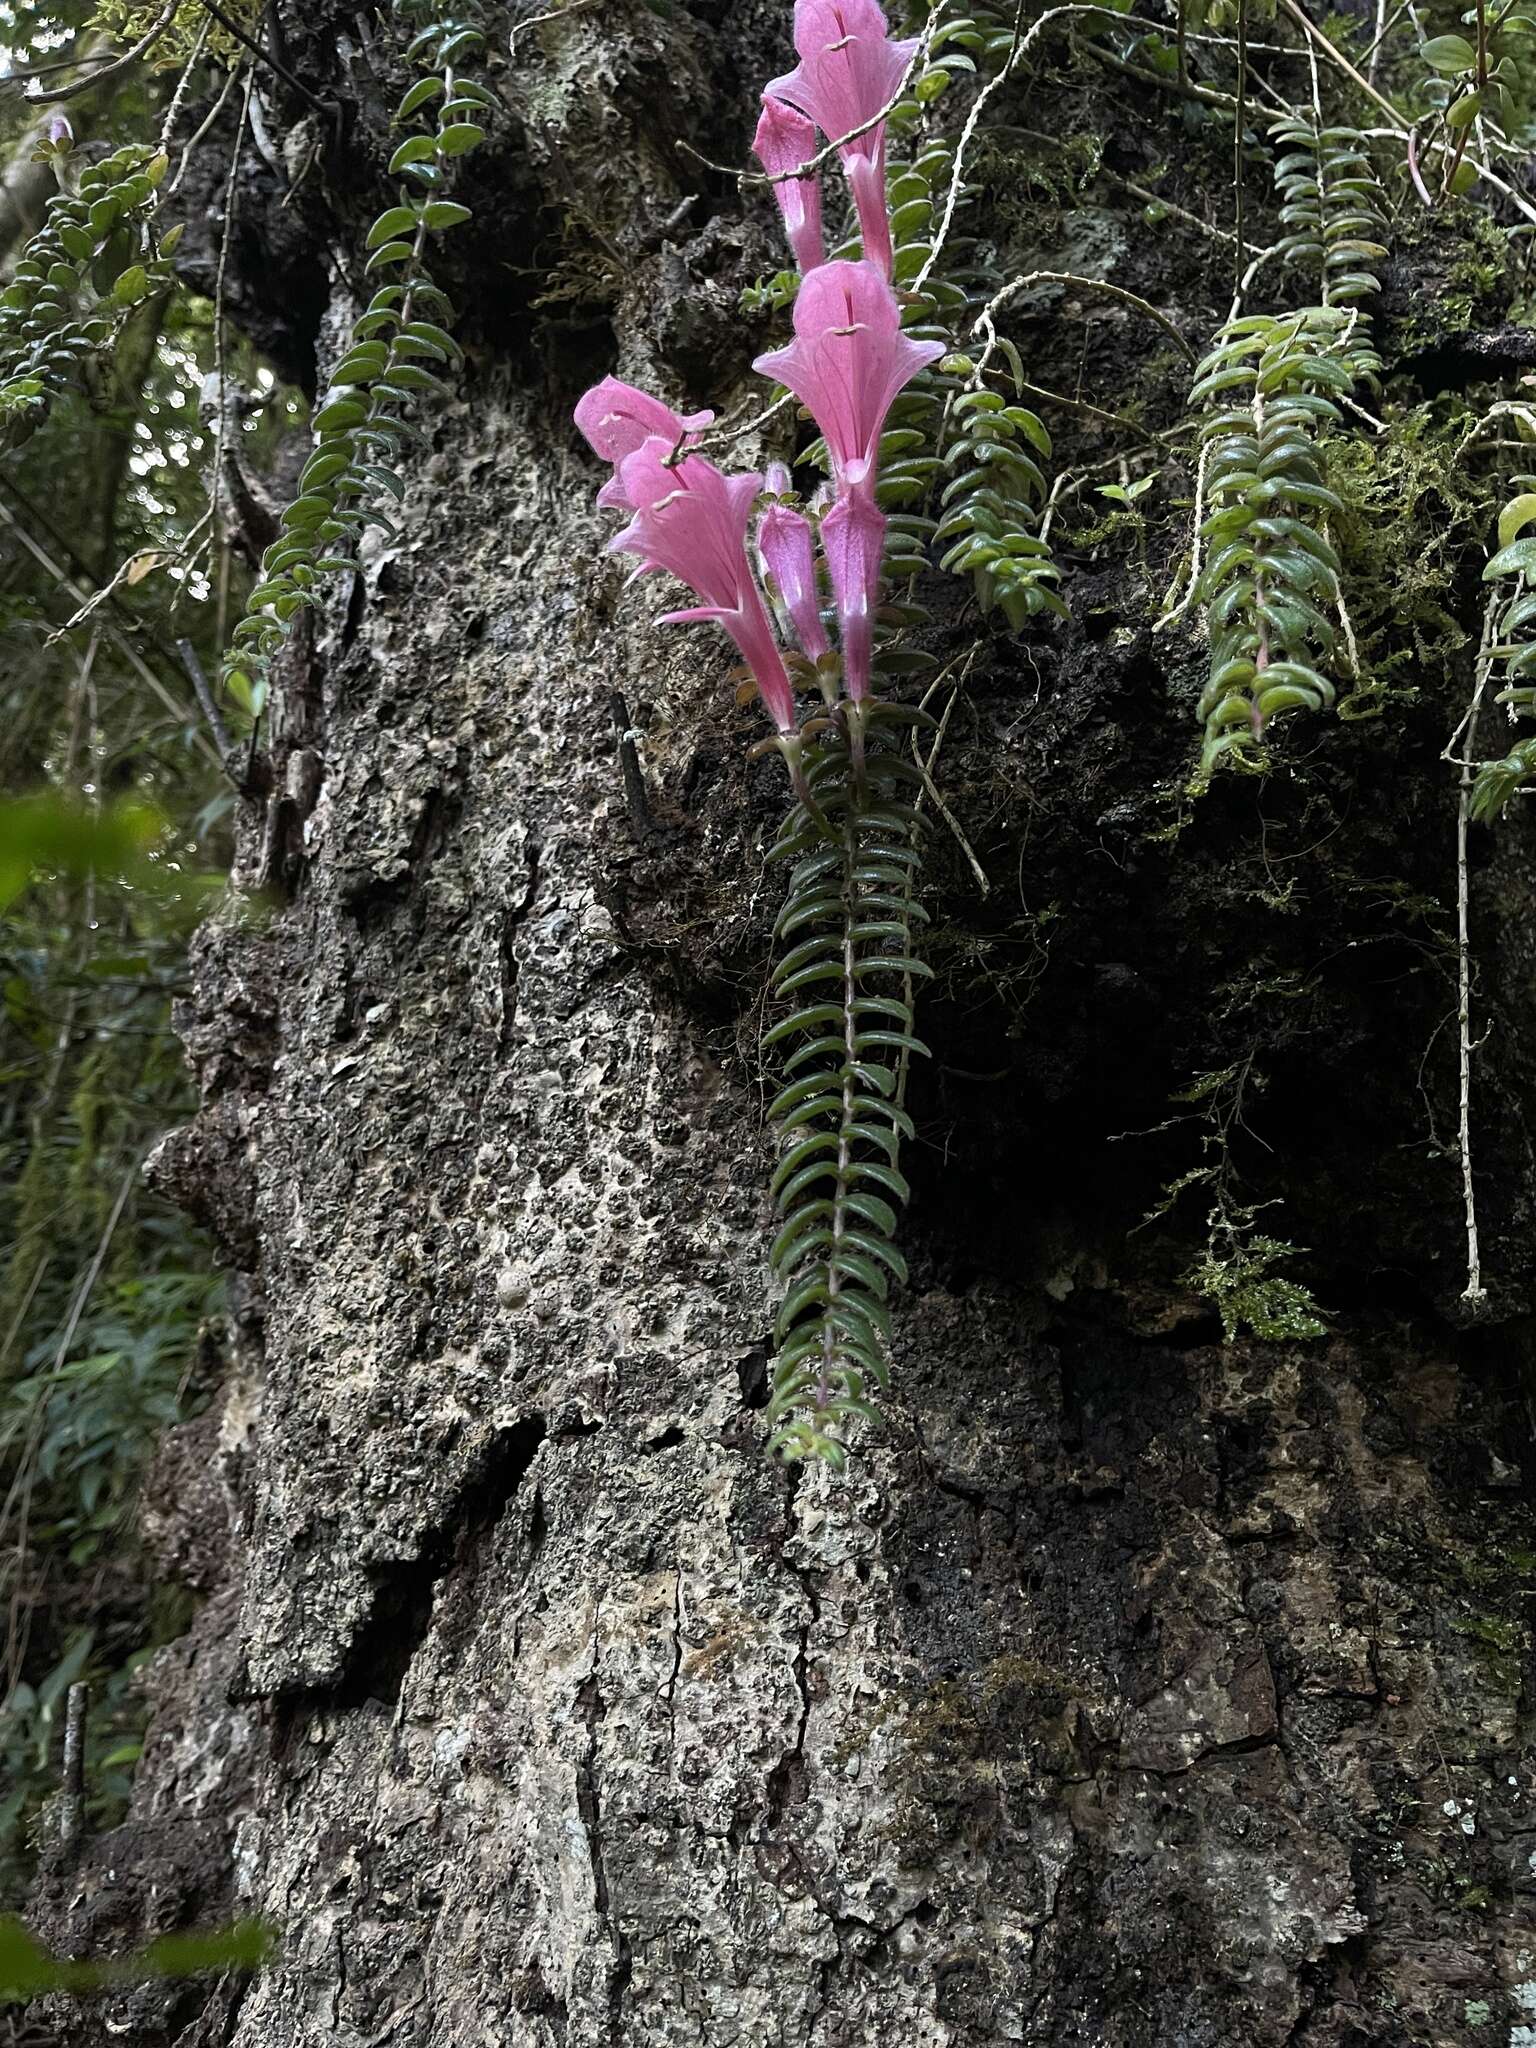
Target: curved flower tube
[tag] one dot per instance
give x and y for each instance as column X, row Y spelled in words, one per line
column 691, row 520
column 786, row 141
column 848, row 73
column 853, row 537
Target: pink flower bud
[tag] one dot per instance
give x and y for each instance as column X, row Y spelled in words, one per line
column 787, row 543
column 785, row 141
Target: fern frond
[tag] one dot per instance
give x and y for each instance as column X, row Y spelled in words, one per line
column 844, row 1042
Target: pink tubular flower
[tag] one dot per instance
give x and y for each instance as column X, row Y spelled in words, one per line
column 691, row 520
column 853, row 537
column 617, row 419
column 848, row 72
column 847, row 362
column 786, row 141
column 787, row 545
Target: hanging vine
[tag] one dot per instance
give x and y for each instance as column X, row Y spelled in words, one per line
column 1512, row 650
column 1269, row 573
column 370, row 414
column 1335, row 216
column 848, row 973
column 95, row 259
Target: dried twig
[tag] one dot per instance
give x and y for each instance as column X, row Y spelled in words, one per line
column 1172, row 617
column 1474, row 1293
column 983, row 323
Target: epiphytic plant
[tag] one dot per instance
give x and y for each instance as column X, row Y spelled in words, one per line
column 369, row 414
column 1270, row 577
column 1512, row 651
column 95, row 258
column 846, row 975
column 1334, row 213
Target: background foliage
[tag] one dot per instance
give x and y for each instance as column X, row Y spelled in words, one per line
column 123, row 572
column 114, row 824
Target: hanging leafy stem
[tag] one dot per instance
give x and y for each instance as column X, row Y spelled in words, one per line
column 370, row 413
column 992, row 503
column 1269, row 572
column 954, row 432
column 93, row 261
column 1512, row 651
column 1477, row 80
column 1334, row 213
column 847, row 922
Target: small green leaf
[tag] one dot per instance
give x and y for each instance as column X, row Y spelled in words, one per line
column 395, row 221
column 414, row 150
column 1518, row 513
column 423, row 90
column 392, row 252
column 1518, row 558
column 339, row 414
column 1449, row 53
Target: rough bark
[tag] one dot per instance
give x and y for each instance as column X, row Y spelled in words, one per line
column 1135, row 1688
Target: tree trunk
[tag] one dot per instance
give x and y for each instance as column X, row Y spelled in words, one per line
column 1134, row 1687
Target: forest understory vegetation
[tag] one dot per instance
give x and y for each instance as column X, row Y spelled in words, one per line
column 1181, row 594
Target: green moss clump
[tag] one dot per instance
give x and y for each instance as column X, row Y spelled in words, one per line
column 1412, row 510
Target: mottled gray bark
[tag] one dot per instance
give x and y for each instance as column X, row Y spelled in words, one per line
column 1133, row 1689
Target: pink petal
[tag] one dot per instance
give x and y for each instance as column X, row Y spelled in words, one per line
column 848, row 361
column 617, row 417
column 691, row 520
